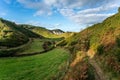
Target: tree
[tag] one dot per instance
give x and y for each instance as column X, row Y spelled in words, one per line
column 46, row 45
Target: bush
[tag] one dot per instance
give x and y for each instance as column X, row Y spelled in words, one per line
column 71, row 49
column 47, row 45
column 118, row 42
column 73, row 43
column 100, row 49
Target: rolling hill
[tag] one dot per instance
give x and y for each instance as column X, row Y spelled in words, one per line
column 100, row 42
column 12, row 35
column 95, row 50
column 57, row 33
column 9, row 37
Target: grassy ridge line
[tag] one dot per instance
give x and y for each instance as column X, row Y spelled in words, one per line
column 12, row 51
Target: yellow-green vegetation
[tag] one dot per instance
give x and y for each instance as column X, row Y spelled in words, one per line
column 69, row 40
column 47, row 66
column 12, row 35
column 45, row 32
column 9, row 37
column 101, row 41
column 99, row 44
column 35, row 46
column 40, row 30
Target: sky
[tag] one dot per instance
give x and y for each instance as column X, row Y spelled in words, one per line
column 67, row 15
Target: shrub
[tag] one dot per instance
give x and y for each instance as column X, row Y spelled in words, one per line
column 47, row 45
column 71, row 49
column 100, row 49
column 73, row 43
column 118, row 42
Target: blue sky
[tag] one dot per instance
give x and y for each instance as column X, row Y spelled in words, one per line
column 68, row 15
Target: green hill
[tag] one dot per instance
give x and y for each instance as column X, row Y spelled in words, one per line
column 38, row 30
column 12, row 35
column 56, row 33
column 9, row 37
column 100, row 41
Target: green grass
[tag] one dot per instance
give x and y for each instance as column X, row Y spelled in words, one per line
column 38, row 67
column 35, row 46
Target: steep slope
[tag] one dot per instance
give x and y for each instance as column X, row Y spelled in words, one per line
column 102, row 42
column 9, row 37
column 106, row 33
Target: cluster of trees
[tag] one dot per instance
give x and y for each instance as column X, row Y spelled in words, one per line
column 47, row 45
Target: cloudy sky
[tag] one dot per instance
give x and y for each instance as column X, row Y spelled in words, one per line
column 68, row 15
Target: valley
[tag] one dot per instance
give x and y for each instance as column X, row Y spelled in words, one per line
column 30, row 52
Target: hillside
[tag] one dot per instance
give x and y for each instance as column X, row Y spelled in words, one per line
column 56, row 33
column 12, row 35
column 9, row 37
column 95, row 50
column 100, row 42
column 38, row 30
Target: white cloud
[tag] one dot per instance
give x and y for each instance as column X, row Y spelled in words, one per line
column 43, row 12
column 67, row 12
column 50, row 2
column 36, row 23
column 80, row 11
column 91, row 15
column 89, row 19
column 99, row 9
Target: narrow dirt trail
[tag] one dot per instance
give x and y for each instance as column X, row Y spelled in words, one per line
column 99, row 74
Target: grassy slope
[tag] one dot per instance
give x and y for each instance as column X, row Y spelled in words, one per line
column 35, row 46
column 104, row 34
column 9, row 37
column 103, row 39
column 38, row 67
column 45, row 32
column 28, row 32
column 39, row 30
